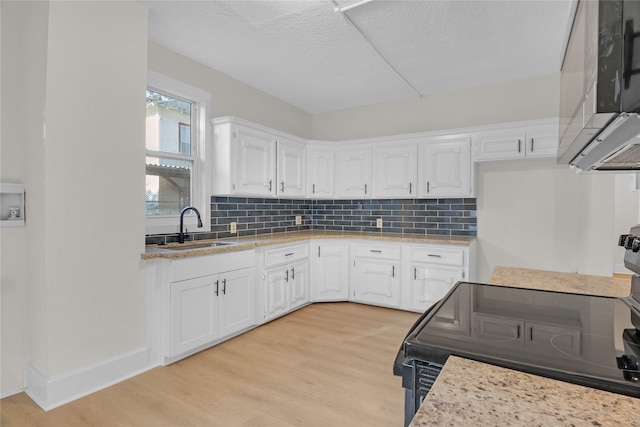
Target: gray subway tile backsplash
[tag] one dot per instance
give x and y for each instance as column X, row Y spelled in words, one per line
column 256, row 216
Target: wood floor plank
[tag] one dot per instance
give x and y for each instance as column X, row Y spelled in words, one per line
column 327, row 364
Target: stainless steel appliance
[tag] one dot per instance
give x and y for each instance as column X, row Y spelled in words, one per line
column 600, row 88
column 583, row 339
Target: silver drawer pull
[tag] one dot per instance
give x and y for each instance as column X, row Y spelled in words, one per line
column 375, row 251
column 289, row 254
column 434, row 255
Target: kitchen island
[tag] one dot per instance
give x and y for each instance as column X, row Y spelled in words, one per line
column 474, row 393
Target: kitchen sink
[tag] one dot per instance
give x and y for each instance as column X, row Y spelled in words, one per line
column 200, row 246
column 188, row 247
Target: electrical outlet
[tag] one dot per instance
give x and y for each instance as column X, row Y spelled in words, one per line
column 379, row 223
column 298, row 220
column 233, row 227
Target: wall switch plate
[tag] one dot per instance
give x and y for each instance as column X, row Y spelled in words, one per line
column 233, row 227
column 379, row 223
column 298, row 220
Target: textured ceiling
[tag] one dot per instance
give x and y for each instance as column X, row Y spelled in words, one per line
column 313, row 56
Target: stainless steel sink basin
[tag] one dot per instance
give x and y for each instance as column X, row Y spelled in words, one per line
column 201, row 246
column 188, row 247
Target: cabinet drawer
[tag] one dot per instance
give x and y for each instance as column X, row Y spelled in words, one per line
column 273, row 257
column 438, row 255
column 377, row 251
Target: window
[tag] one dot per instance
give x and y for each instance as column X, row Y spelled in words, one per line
column 176, row 151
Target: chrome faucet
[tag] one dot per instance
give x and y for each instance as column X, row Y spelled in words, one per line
column 188, row 208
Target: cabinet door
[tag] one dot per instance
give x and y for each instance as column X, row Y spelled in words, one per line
column 290, row 168
column 256, row 162
column 542, row 141
column 446, row 168
column 235, row 300
column 298, row 282
column 276, row 295
column 501, row 144
column 330, row 271
column 395, row 170
column 320, row 172
column 377, row 282
column 194, row 316
column 353, row 175
column 430, row 283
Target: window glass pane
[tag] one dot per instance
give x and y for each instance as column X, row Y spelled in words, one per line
column 168, row 124
column 168, row 185
column 185, row 139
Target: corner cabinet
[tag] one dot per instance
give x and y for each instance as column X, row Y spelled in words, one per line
column 353, row 171
column 320, row 171
column 536, row 139
column 329, row 262
column 446, row 167
column 253, row 160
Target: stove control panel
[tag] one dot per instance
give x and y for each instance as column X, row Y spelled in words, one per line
column 631, row 242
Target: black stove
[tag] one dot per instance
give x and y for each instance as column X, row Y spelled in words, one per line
column 583, row 339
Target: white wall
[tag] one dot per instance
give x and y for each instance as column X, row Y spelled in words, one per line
column 528, row 99
column 536, row 214
column 231, row 97
column 627, row 202
column 23, row 51
column 72, row 288
column 73, row 291
column 94, row 152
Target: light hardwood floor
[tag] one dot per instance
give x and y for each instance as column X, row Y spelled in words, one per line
column 327, row 364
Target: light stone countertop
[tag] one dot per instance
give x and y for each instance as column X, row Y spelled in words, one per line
column 467, row 392
column 562, row 282
column 252, row 242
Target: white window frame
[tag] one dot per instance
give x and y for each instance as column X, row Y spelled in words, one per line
column 201, row 175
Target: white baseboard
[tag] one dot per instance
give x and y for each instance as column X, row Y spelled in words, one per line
column 11, row 392
column 619, row 268
column 50, row 393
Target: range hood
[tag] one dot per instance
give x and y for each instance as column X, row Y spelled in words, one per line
column 600, row 88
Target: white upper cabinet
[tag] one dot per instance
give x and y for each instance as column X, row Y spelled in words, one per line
column 252, row 160
column 353, row 171
column 518, row 141
column 320, row 171
column 255, row 162
column 445, row 167
column 394, row 169
column 290, row 168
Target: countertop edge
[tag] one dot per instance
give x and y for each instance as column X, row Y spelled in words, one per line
column 252, row 242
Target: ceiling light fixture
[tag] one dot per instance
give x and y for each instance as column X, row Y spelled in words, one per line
column 342, row 11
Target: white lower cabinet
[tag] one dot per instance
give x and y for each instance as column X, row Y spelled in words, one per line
column 285, row 279
column 329, row 263
column 194, row 314
column 429, row 284
column 235, row 301
column 203, row 300
column 433, row 271
column 210, row 307
column 206, row 299
column 376, row 274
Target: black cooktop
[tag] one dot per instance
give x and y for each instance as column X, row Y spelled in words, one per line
column 583, row 339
